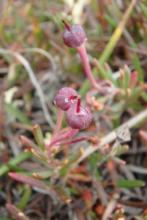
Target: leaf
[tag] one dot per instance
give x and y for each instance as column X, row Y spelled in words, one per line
column 43, row 174
column 38, row 136
column 144, row 9
column 27, row 179
column 94, row 159
column 64, row 171
column 13, row 111
column 144, row 96
column 13, row 163
column 123, row 183
column 38, row 184
column 24, row 198
column 126, row 78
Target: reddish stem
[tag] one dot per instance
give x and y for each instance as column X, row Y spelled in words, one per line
column 76, row 140
column 60, row 114
column 85, row 61
column 69, row 134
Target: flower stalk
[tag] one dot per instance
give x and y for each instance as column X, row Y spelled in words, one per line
column 86, row 65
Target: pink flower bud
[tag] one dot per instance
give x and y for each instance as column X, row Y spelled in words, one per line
column 65, row 97
column 78, row 116
column 74, row 36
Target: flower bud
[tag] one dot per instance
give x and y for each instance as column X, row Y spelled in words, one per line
column 65, row 97
column 80, row 119
column 74, row 36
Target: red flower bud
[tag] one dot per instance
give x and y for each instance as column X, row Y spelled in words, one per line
column 78, row 116
column 65, row 97
column 74, row 36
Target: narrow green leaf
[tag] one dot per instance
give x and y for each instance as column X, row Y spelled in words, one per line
column 25, row 197
column 14, row 162
column 126, row 79
column 94, row 159
column 144, row 96
column 64, row 171
column 124, row 183
column 38, row 136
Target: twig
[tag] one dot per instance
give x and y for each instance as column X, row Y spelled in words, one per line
column 102, row 195
column 112, row 135
column 110, row 207
column 137, row 169
column 34, row 81
column 135, row 204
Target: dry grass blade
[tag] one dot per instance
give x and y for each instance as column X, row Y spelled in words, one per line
column 34, row 81
column 110, row 207
column 137, row 169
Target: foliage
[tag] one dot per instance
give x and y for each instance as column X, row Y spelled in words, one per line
column 67, row 173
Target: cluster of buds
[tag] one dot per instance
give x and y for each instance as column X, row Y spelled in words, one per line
column 77, row 115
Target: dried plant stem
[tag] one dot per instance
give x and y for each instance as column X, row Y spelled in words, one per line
column 102, row 195
column 34, row 81
column 110, row 207
column 112, row 135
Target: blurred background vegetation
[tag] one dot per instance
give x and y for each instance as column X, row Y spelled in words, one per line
column 34, row 64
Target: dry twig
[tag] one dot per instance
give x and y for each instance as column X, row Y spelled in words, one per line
column 113, row 135
column 34, row 81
